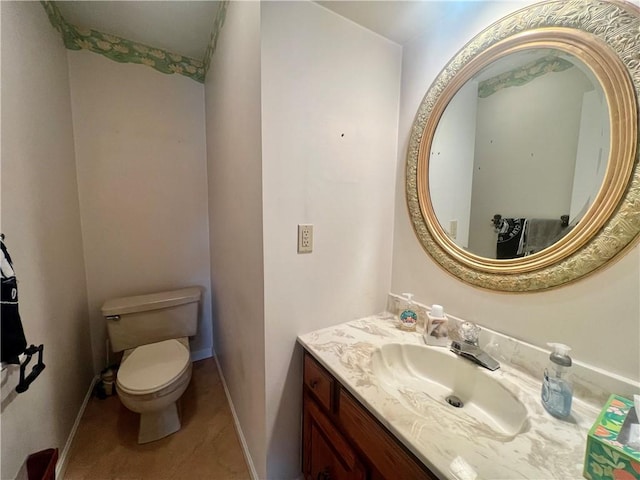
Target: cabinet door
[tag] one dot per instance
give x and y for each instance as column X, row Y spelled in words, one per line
column 383, row 451
column 326, row 454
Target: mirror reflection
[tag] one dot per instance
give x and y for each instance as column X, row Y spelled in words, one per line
column 519, row 154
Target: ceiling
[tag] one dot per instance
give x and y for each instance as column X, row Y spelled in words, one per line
column 184, row 26
column 399, row 21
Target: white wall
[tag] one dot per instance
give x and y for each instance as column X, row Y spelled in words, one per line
column 329, row 136
column 596, row 315
column 141, row 166
column 234, row 161
column 41, row 221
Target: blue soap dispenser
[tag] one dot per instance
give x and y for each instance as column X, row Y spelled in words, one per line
column 557, row 392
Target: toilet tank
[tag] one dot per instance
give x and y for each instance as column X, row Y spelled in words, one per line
column 144, row 319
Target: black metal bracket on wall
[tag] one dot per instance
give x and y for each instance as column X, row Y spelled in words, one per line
column 23, row 384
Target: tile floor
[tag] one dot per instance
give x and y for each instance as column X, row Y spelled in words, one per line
column 207, row 446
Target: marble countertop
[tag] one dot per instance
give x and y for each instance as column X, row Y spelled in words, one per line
column 450, row 446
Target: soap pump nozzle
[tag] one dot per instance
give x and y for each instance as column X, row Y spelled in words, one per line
column 560, row 354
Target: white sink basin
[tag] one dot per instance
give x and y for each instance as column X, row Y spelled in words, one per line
column 413, row 374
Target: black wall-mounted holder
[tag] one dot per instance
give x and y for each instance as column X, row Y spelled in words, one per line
column 24, row 383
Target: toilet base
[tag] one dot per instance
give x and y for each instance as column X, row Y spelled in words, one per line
column 159, row 424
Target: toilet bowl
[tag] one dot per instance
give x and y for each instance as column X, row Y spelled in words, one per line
column 151, row 379
column 152, row 331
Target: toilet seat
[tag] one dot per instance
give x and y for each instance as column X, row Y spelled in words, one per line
column 150, row 368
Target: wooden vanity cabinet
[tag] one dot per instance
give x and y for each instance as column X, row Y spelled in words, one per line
column 328, row 456
column 343, row 441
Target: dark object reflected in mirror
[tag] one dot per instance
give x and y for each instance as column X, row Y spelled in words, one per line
column 519, row 237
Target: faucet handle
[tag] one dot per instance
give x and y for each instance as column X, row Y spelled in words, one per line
column 469, row 332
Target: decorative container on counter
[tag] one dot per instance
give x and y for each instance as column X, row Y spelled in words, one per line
column 610, row 444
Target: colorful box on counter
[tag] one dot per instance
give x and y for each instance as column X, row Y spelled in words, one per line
column 608, row 456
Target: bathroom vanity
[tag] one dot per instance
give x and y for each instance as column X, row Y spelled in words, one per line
column 374, row 407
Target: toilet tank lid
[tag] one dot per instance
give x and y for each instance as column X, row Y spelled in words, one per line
column 152, row 301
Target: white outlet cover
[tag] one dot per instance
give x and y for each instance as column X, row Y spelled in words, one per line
column 305, row 238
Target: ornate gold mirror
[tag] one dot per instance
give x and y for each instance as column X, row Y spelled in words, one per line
column 522, row 168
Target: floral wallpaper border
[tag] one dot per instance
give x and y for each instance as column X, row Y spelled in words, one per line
column 522, row 75
column 122, row 50
column 221, row 15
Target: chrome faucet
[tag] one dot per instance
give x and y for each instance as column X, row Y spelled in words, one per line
column 468, row 347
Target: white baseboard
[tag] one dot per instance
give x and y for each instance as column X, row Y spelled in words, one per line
column 201, row 354
column 61, row 466
column 243, row 441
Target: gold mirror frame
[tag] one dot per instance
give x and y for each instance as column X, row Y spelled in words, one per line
column 604, row 35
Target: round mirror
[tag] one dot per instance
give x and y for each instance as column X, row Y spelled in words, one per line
column 520, row 169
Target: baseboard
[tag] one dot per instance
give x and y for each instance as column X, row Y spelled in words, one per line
column 243, row 441
column 201, row 354
column 61, row 466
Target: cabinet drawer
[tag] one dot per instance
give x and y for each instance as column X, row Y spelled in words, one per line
column 319, row 382
column 386, row 455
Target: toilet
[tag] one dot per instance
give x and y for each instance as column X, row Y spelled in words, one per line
column 152, row 331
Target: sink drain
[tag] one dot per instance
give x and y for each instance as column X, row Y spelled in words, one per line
column 454, row 401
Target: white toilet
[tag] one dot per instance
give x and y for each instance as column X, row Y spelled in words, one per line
column 156, row 365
